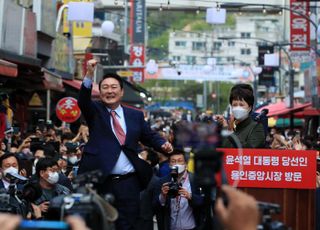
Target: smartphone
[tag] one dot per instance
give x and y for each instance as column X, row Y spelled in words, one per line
column 35, row 139
column 75, row 170
column 35, row 224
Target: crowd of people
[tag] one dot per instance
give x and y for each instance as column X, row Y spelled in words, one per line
column 143, row 166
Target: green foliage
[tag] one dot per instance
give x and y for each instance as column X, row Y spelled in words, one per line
column 160, row 24
column 200, row 26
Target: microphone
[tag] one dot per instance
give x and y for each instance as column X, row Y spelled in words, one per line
column 261, row 114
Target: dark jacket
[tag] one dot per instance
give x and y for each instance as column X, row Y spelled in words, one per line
column 196, row 203
column 146, row 209
column 250, row 134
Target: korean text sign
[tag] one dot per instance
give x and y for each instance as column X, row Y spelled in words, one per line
column 299, row 25
column 268, row 168
column 67, row 110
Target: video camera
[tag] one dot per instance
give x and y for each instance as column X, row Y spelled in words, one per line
column 174, row 185
column 267, row 209
column 19, row 202
column 97, row 212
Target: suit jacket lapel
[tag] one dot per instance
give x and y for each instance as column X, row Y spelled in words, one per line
column 104, row 114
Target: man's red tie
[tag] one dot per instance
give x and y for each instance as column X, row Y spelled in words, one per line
column 117, row 128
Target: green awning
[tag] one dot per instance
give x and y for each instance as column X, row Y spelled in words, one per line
column 285, row 122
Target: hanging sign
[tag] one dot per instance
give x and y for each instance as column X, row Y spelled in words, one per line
column 67, row 110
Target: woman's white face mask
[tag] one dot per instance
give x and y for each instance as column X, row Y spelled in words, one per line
column 240, row 113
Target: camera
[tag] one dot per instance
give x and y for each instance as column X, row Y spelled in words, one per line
column 267, row 209
column 19, row 202
column 97, row 212
column 174, row 186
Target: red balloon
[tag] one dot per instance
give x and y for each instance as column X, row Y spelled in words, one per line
column 67, row 110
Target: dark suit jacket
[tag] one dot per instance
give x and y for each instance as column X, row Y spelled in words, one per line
column 164, row 212
column 19, row 186
column 103, row 149
column 146, row 208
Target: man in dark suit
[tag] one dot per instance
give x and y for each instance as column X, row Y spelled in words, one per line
column 115, row 131
column 9, row 163
column 183, row 210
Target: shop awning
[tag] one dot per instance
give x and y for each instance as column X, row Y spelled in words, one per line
column 8, row 69
column 131, row 94
column 308, row 111
column 52, row 80
column 281, row 109
column 285, row 122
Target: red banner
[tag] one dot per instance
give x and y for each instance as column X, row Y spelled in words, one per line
column 137, row 59
column 137, row 39
column 268, row 168
column 299, row 25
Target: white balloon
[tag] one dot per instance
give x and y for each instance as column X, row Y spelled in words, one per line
column 152, row 67
column 207, row 68
column 107, row 27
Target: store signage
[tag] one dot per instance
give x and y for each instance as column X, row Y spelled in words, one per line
column 67, row 110
column 137, row 62
column 137, row 41
column 269, row 168
column 299, row 25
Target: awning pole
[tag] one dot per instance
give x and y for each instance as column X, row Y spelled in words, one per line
column 48, row 104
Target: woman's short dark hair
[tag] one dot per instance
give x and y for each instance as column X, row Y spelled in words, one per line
column 242, row 92
column 114, row 76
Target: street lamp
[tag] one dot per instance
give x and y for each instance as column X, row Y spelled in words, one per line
column 256, row 70
column 107, row 28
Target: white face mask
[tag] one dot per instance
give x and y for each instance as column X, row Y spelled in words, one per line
column 181, row 168
column 10, row 170
column 53, row 177
column 240, row 113
column 73, row 159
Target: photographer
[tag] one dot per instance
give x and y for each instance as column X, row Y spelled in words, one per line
column 9, row 163
column 178, row 199
column 19, row 202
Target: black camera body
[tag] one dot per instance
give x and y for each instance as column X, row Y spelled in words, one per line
column 97, row 211
column 82, row 205
column 266, row 222
column 174, row 185
column 18, row 202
